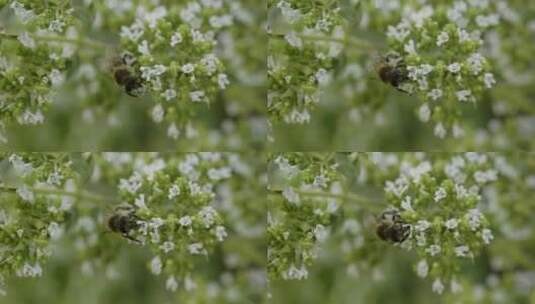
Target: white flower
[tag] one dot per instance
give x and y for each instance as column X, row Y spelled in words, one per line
column 158, row 113
column 55, row 231
column 25, row 15
column 20, row 166
column 132, row 184
column 489, row 80
column 486, row 21
column 173, row 131
column 208, row 216
column 185, row 221
column 451, row 223
column 174, row 191
column 196, row 249
column 56, row 77
column 422, row 269
column 483, row 177
column 410, row 47
column 29, row 118
column 433, row 250
column 30, row 271
column 222, row 81
column 296, row 116
column 156, row 265
column 149, row 73
column 475, row 63
column 143, row 48
column 398, row 187
column 421, row 240
column 294, row 273
column 438, row 287
column 210, row 62
column 134, row 32
column 322, row 76
column 399, row 32
column 487, row 236
column 169, row 94
column 454, row 68
column 171, row 284
column 294, row 40
column 440, row 131
column 54, row 178
column 442, row 38
column 463, row 35
column 424, row 113
column 320, row 233
column 197, row 96
column 140, row 201
column 26, row 194
column 221, row 21
column 176, row 39
column 435, row 94
column 462, row 251
column 422, row 225
column 291, row 196
column 26, row 40
column 457, row 131
column 220, row 233
column 188, row 68
column 406, row 203
column 463, row 95
column 290, row 14
column 168, row 246
column 440, row 194
column 474, row 217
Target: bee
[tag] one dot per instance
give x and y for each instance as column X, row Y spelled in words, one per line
column 391, row 227
column 125, row 77
column 393, row 71
column 124, row 221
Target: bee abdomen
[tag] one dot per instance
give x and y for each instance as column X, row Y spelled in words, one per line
column 121, row 76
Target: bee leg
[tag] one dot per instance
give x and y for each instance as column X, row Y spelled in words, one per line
column 126, row 236
column 402, row 90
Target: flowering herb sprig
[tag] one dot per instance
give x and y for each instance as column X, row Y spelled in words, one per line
column 438, row 198
column 305, row 194
column 32, row 210
column 441, row 46
column 305, row 38
column 33, row 60
column 173, row 51
column 176, row 231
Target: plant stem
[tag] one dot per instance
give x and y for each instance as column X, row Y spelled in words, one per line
column 84, row 196
column 358, row 43
column 343, row 197
column 77, row 41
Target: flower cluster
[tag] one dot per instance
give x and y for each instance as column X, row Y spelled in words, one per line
column 439, row 199
column 441, row 47
column 172, row 49
column 298, row 221
column 31, row 216
column 176, row 215
column 299, row 62
column 32, row 66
